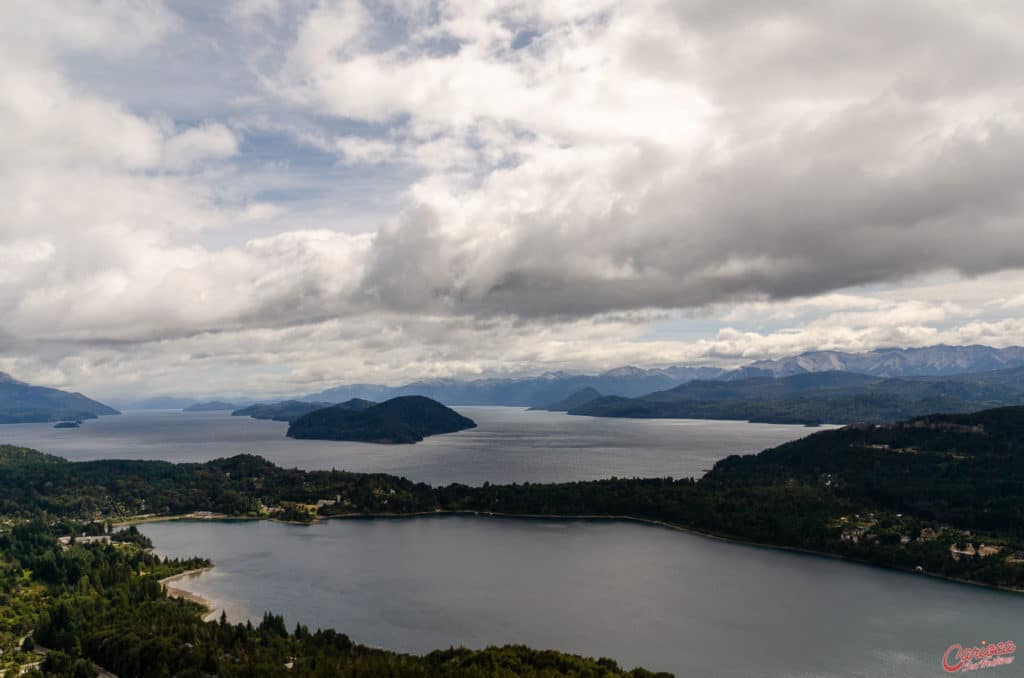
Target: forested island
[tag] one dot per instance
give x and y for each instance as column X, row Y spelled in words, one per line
column 941, row 495
column 402, row 420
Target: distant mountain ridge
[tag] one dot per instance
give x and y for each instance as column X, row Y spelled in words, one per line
column 210, row 406
column 820, row 397
column 22, row 403
column 526, row 391
column 577, row 399
column 892, row 362
column 632, row 382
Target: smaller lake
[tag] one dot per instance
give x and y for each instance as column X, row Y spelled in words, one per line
column 643, row 595
column 509, row 445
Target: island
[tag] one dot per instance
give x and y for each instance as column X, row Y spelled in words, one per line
column 68, row 424
column 401, row 420
column 290, row 410
column 211, row 406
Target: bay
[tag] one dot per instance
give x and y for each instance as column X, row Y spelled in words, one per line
column 641, row 594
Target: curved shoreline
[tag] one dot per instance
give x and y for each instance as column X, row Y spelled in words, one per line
column 183, row 594
column 677, row 528
column 543, row 516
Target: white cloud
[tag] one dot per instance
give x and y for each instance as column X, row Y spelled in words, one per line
column 567, row 171
column 359, row 150
column 199, row 143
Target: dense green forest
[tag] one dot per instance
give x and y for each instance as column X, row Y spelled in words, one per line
column 939, row 494
column 401, row 420
column 818, row 397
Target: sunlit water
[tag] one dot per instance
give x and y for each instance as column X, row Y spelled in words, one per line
column 642, row 595
column 509, row 445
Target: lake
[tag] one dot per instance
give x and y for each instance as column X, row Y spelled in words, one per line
column 640, row 594
column 509, row 445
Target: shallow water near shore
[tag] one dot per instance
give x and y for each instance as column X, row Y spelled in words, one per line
column 643, row 595
column 509, row 445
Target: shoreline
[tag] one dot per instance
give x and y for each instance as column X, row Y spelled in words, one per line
column 183, row 594
column 677, row 528
column 540, row 516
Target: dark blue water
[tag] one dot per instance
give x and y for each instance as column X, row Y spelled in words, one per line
column 509, row 445
column 642, row 595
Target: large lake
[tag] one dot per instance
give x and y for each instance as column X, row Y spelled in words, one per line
column 640, row 594
column 509, row 445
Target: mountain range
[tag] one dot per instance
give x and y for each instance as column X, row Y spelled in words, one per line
column 819, row 397
column 552, row 388
column 631, row 382
column 22, row 403
column 210, row 406
column 525, row 391
column 890, row 362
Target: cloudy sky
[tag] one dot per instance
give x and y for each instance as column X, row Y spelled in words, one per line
column 271, row 197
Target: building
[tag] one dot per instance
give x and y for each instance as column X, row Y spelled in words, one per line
column 958, row 553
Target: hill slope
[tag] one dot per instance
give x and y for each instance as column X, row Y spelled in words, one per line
column 211, row 406
column 407, row 419
column 938, row 467
column 577, row 399
column 288, row 410
column 819, row 397
column 23, row 403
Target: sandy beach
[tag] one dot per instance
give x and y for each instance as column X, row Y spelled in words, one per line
column 174, row 592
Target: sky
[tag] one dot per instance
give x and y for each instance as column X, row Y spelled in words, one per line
column 271, row 197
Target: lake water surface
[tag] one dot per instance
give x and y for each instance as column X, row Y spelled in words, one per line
column 640, row 594
column 509, row 445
